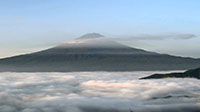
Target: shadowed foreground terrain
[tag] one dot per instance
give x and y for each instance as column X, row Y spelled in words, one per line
column 194, row 73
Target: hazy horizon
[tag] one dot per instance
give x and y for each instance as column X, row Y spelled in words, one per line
column 170, row 27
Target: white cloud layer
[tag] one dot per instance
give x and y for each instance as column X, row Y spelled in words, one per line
column 96, row 92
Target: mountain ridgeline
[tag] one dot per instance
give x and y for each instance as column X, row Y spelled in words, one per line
column 193, row 73
column 94, row 52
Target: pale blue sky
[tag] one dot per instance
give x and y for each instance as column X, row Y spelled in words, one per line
column 31, row 25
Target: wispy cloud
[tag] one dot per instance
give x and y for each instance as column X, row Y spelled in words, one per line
column 156, row 37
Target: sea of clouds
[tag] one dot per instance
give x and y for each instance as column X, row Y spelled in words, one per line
column 96, row 92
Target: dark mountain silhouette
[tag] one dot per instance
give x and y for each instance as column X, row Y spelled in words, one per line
column 194, row 73
column 94, row 52
column 170, row 96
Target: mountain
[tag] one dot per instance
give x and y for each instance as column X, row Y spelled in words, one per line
column 193, row 73
column 91, row 36
column 94, row 52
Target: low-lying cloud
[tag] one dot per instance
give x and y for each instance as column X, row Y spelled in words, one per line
column 96, row 92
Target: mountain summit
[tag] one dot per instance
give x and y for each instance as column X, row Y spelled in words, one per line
column 93, row 53
column 91, row 36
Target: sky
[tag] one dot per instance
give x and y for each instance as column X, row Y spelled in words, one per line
column 170, row 26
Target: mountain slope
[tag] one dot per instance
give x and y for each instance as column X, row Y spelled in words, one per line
column 94, row 53
column 193, row 73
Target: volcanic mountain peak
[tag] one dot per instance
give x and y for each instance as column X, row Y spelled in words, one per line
column 92, row 40
column 92, row 43
column 94, row 46
column 93, row 53
column 91, row 36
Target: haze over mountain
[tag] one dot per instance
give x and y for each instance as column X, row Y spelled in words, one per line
column 94, row 52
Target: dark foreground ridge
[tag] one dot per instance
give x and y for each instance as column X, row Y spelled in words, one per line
column 194, row 73
column 93, row 52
